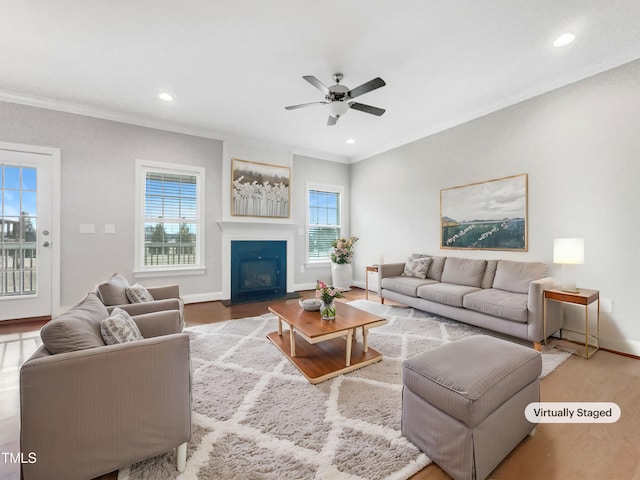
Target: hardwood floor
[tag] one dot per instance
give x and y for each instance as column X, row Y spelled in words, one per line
column 557, row 451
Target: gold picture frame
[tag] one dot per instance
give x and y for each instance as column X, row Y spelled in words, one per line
column 490, row 215
column 260, row 189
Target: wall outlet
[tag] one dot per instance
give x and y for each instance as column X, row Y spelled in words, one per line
column 606, row 305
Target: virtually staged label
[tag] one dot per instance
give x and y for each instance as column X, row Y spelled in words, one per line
column 572, row 412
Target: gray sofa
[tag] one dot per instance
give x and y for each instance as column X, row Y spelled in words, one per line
column 499, row 295
column 87, row 408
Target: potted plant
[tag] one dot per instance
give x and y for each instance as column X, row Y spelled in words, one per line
column 341, row 258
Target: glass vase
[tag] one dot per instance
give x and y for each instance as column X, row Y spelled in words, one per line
column 328, row 310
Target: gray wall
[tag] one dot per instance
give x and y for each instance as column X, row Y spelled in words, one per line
column 579, row 146
column 97, row 186
column 306, row 169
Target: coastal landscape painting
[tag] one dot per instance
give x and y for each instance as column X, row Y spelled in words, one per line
column 490, row 215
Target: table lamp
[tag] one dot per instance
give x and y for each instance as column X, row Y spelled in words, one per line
column 568, row 252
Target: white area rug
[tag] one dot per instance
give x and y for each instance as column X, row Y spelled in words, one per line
column 256, row 417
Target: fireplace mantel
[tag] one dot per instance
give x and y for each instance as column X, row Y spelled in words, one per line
column 256, row 231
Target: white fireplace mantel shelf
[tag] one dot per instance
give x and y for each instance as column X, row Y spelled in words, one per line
column 243, row 226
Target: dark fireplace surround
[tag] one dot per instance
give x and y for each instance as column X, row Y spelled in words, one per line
column 258, row 270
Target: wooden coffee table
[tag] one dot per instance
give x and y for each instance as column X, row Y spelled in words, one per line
column 330, row 346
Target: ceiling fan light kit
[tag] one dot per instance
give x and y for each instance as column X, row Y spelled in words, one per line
column 338, row 108
column 338, row 97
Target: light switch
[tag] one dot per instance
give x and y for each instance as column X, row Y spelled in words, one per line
column 109, row 228
column 87, row 228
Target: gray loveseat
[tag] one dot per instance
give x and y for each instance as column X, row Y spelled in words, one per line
column 499, row 295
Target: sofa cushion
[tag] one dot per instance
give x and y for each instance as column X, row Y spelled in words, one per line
column 76, row 329
column 435, row 270
column 114, row 290
column 446, row 293
column 499, row 303
column 489, row 274
column 404, row 285
column 516, row 276
column 463, row 271
column 416, row 267
column 138, row 294
column 119, row 327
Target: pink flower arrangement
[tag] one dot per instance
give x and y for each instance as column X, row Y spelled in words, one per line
column 343, row 250
column 327, row 293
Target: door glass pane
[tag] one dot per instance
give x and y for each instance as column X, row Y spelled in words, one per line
column 29, row 179
column 11, row 177
column 18, row 231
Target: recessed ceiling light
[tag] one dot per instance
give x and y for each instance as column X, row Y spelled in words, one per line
column 351, row 140
column 166, row 97
column 564, row 39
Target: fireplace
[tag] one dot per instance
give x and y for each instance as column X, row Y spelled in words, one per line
column 258, row 270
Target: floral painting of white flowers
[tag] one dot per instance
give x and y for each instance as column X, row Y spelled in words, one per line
column 490, row 215
column 259, row 189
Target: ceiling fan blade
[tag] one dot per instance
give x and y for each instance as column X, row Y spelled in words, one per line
column 302, row 105
column 366, row 87
column 367, row 108
column 331, row 121
column 317, row 83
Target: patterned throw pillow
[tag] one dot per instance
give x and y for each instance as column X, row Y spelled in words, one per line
column 417, row 267
column 138, row 294
column 119, row 328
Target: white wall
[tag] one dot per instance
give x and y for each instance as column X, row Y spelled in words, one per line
column 579, row 146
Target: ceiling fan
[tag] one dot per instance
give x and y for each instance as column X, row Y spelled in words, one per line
column 339, row 97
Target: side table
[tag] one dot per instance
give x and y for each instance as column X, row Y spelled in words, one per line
column 370, row 268
column 582, row 297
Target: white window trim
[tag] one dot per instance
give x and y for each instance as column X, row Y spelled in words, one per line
column 324, row 187
column 140, row 270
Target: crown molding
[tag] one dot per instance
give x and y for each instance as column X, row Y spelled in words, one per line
column 142, row 121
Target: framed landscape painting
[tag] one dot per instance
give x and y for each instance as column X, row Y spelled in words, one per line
column 259, row 189
column 489, row 215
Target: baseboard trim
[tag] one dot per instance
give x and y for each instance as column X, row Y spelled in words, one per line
column 630, row 355
column 202, row 297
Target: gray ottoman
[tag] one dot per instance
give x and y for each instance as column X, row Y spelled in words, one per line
column 463, row 403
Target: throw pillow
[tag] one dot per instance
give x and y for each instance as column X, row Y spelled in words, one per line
column 138, row 294
column 417, row 267
column 119, row 328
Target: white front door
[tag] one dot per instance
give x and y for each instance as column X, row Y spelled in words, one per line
column 26, row 237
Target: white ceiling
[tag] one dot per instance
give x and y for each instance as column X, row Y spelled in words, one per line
column 232, row 65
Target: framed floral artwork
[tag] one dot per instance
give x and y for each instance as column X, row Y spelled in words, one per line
column 259, row 189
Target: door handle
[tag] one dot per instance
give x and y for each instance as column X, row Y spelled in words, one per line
column 45, row 244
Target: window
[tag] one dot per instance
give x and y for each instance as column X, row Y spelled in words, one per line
column 324, row 216
column 170, row 232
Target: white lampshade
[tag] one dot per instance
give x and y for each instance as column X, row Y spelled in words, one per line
column 568, row 251
column 338, row 108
